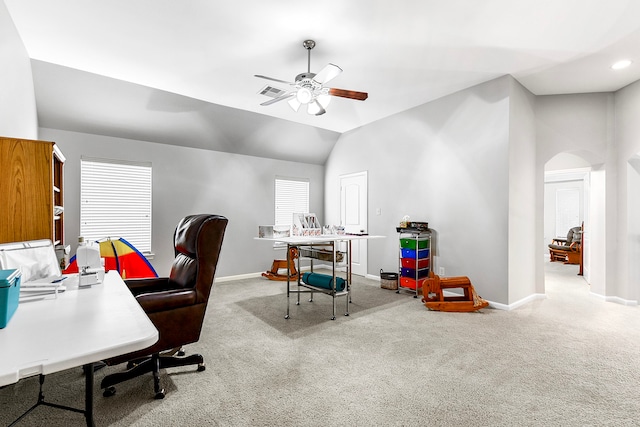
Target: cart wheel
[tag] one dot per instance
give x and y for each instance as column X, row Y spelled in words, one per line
column 109, row 391
column 286, row 316
column 346, row 314
column 310, row 299
column 415, row 296
column 297, row 303
column 333, row 318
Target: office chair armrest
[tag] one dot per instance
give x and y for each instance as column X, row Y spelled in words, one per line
column 152, row 284
column 166, row 300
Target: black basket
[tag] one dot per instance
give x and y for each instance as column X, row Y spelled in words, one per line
column 388, row 280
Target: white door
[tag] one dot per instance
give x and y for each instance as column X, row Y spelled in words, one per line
column 353, row 216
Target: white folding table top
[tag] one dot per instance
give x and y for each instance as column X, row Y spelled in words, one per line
column 78, row 327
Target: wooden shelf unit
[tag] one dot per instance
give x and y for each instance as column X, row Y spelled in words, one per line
column 32, row 186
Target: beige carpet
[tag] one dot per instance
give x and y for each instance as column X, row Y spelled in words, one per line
column 568, row 360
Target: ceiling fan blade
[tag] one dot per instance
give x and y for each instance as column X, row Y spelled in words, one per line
column 327, row 73
column 274, row 80
column 280, row 98
column 351, row 94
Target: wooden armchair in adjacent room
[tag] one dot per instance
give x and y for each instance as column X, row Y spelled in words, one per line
column 569, row 249
column 176, row 304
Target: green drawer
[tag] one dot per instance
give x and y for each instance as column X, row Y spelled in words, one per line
column 411, row 243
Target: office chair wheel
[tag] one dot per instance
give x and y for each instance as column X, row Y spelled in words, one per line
column 201, row 367
column 109, row 391
column 159, row 395
column 181, row 352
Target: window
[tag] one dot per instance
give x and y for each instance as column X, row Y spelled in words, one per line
column 292, row 195
column 116, row 201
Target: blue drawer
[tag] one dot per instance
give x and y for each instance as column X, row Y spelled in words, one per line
column 411, row 253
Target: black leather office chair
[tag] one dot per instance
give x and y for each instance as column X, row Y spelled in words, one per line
column 176, row 304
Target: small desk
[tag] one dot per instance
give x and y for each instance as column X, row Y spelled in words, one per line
column 78, row 328
column 323, row 240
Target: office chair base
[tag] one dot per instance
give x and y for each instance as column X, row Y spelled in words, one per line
column 153, row 365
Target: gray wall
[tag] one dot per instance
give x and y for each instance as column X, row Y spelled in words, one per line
column 446, row 163
column 627, row 236
column 526, row 274
column 583, row 125
column 18, row 117
column 188, row 181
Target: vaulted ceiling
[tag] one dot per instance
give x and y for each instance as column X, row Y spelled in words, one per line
column 182, row 72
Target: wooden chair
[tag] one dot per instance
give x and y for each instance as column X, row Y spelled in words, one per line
column 569, row 249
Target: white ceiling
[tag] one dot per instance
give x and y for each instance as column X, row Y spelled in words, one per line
column 404, row 53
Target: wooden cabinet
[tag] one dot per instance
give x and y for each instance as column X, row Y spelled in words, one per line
column 31, row 185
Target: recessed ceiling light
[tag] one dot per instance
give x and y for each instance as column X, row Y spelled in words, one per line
column 621, row 64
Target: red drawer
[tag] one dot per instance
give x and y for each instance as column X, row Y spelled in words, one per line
column 407, row 282
column 411, row 263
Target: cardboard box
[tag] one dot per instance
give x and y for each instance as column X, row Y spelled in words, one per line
column 9, row 294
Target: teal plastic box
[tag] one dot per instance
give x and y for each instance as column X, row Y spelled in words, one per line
column 9, row 294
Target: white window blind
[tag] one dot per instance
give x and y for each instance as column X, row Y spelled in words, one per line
column 116, row 201
column 292, row 196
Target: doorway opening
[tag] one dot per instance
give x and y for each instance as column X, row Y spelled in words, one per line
column 567, row 202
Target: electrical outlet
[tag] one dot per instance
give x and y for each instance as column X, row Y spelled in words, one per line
column 440, row 271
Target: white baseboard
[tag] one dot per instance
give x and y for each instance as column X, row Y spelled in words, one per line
column 616, row 300
column 520, row 303
column 253, row 275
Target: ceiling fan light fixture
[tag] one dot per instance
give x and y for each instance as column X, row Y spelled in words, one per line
column 314, row 108
column 294, row 104
column 324, row 100
column 304, row 95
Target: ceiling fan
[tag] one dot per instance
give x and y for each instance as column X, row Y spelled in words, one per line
column 308, row 88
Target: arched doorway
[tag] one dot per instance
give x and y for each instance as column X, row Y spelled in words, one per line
column 567, row 204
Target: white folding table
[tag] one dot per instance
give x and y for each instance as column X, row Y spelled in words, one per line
column 77, row 328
